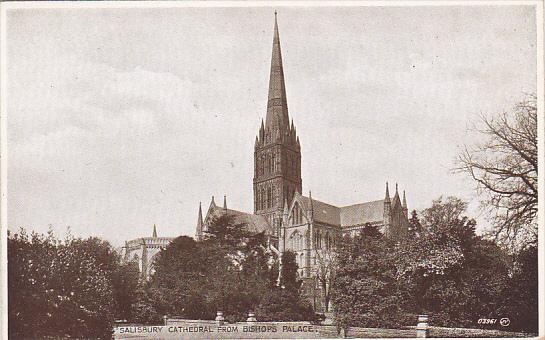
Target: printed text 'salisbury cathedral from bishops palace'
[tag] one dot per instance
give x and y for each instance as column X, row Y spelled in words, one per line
column 290, row 220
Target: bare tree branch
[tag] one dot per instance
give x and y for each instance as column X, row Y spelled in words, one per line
column 505, row 169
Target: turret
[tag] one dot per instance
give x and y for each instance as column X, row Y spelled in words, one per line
column 212, row 203
column 310, row 212
column 199, row 233
column 396, row 201
column 404, row 205
column 387, row 207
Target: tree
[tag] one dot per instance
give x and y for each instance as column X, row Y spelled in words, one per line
column 414, row 227
column 520, row 296
column 458, row 277
column 288, row 272
column 505, row 169
column 59, row 288
column 125, row 282
column 229, row 271
column 281, row 304
column 365, row 291
column 182, row 270
column 325, row 273
column 226, row 231
column 29, row 261
column 284, row 302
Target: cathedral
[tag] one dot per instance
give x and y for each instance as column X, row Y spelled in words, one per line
column 304, row 225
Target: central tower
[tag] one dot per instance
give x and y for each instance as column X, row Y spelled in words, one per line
column 277, row 152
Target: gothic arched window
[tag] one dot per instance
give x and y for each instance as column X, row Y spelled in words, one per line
column 269, row 197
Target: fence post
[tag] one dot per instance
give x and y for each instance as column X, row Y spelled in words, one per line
column 422, row 328
column 165, row 319
column 251, row 318
column 219, row 318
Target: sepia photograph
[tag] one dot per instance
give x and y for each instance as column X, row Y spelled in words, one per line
column 271, row 170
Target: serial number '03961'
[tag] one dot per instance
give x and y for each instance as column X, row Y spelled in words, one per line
column 487, row 321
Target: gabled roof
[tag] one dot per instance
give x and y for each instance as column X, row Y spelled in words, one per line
column 323, row 212
column 357, row 214
column 254, row 223
column 362, row 213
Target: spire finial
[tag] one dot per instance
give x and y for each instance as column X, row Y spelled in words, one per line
column 404, row 200
column 387, row 196
column 225, row 202
column 154, row 231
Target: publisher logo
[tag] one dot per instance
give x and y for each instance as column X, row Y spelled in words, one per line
column 505, row 322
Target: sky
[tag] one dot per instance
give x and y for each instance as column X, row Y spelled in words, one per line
column 120, row 118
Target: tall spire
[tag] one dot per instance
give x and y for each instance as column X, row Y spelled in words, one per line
column 404, row 200
column 277, row 120
column 387, row 196
column 154, row 231
column 225, row 202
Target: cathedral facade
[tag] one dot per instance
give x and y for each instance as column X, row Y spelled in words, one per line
column 294, row 222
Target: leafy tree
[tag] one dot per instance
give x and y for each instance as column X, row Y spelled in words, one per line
column 59, row 288
column 458, row 276
column 229, row 271
column 365, row 291
column 520, row 296
column 123, row 277
column 144, row 308
column 29, row 262
column 224, row 230
column 414, row 227
column 282, row 304
column 125, row 283
column 504, row 167
column 182, row 270
column 288, row 272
